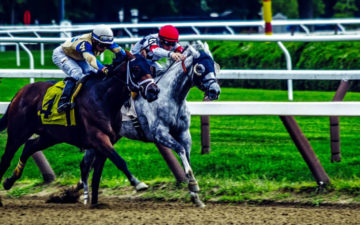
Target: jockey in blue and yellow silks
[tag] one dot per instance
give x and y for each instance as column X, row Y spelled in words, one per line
column 77, row 58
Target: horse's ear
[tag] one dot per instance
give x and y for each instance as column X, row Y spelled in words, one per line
column 129, row 56
column 194, row 52
column 207, row 50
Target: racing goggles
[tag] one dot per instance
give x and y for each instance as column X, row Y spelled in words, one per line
column 103, row 38
column 168, row 43
column 102, row 45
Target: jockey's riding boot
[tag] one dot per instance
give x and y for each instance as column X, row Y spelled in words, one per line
column 65, row 99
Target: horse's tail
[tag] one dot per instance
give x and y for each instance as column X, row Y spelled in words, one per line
column 4, row 120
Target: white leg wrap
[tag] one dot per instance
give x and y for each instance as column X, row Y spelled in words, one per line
column 185, row 163
column 86, row 194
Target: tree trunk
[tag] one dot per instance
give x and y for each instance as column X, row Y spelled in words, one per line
column 12, row 17
column 305, row 9
column 329, row 8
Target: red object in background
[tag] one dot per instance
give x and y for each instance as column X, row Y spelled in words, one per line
column 27, row 17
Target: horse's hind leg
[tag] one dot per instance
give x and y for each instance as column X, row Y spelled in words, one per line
column 121, row 164
column 11, row 147
column 31, row 146
column 103, row 145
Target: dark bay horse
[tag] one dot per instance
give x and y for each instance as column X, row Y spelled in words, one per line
column 98, row 120
column 167, row 121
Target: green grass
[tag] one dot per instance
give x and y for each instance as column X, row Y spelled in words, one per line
column 252, row 158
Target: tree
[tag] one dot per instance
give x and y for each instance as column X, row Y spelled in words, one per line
column 329, row 8
column 9, row 7
column 310, row 8
column 345, row 8
column 287, row 7
column 305, row 9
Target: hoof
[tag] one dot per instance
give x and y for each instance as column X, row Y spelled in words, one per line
column 141, row 186
column 99, row 206
column 196, row 200
column 193, row 186
column 8, row 183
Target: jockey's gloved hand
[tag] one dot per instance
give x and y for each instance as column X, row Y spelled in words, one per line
column 177, row 56
column 106, row 71
column 119, row 58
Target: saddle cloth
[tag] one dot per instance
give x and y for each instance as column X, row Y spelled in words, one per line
column 129, row 113
column 49, row 113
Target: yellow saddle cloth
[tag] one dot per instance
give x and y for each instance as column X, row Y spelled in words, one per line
column 49, row 113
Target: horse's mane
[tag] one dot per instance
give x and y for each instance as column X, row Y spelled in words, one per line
column 188, row 50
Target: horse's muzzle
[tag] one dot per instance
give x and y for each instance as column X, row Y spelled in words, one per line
column 152, row 93
column 213, row 92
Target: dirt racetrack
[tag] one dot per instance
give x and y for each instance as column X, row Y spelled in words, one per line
column 34, row 210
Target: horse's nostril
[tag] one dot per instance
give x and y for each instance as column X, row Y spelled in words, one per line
column 213, row 91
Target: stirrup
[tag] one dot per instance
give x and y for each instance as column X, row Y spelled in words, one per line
column 65, row 107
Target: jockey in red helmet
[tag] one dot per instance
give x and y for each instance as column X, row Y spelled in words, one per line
column 165, row 44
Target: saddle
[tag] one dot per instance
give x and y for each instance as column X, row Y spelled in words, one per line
column 49, row 114
column 128, row 113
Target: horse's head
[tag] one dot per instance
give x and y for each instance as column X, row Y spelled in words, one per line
column 139, row 78
column 204, row 73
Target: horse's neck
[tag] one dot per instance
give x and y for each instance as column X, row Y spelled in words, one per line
column 113, row 93
column 177, row 83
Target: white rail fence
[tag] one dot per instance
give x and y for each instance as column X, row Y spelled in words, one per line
column 245, row 108
column 223, row 75
column 259, row 38
column 266, row 108
column 229, row 74
column 230, row 27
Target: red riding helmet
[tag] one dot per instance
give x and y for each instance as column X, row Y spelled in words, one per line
column 169, row 33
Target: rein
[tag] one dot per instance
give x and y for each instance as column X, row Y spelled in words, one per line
column 183, row 65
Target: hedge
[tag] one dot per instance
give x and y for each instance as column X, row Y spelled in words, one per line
column 268, row 55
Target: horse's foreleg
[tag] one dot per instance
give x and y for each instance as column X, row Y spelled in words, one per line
column 163, row 137
column 185, row 140
column 193, row 184
column 85, row 167
column 98, row 168
column 31, row 146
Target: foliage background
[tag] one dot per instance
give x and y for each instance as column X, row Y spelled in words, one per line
column 86, row 11
column 305, row 56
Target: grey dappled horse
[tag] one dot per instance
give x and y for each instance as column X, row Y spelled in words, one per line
column 167, row 120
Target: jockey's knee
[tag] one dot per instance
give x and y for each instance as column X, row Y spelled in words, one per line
column 76, row 74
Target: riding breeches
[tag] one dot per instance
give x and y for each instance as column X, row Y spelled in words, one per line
column 74, row 68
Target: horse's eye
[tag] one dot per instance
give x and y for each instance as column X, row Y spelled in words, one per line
column 136, row 70
column 199, row 69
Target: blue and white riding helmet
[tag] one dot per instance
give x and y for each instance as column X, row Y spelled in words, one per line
column 103, row 34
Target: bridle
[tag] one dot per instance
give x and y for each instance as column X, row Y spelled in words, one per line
column 195, row 73
column 130, row 83
column 133, row 86
column 191, row 74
